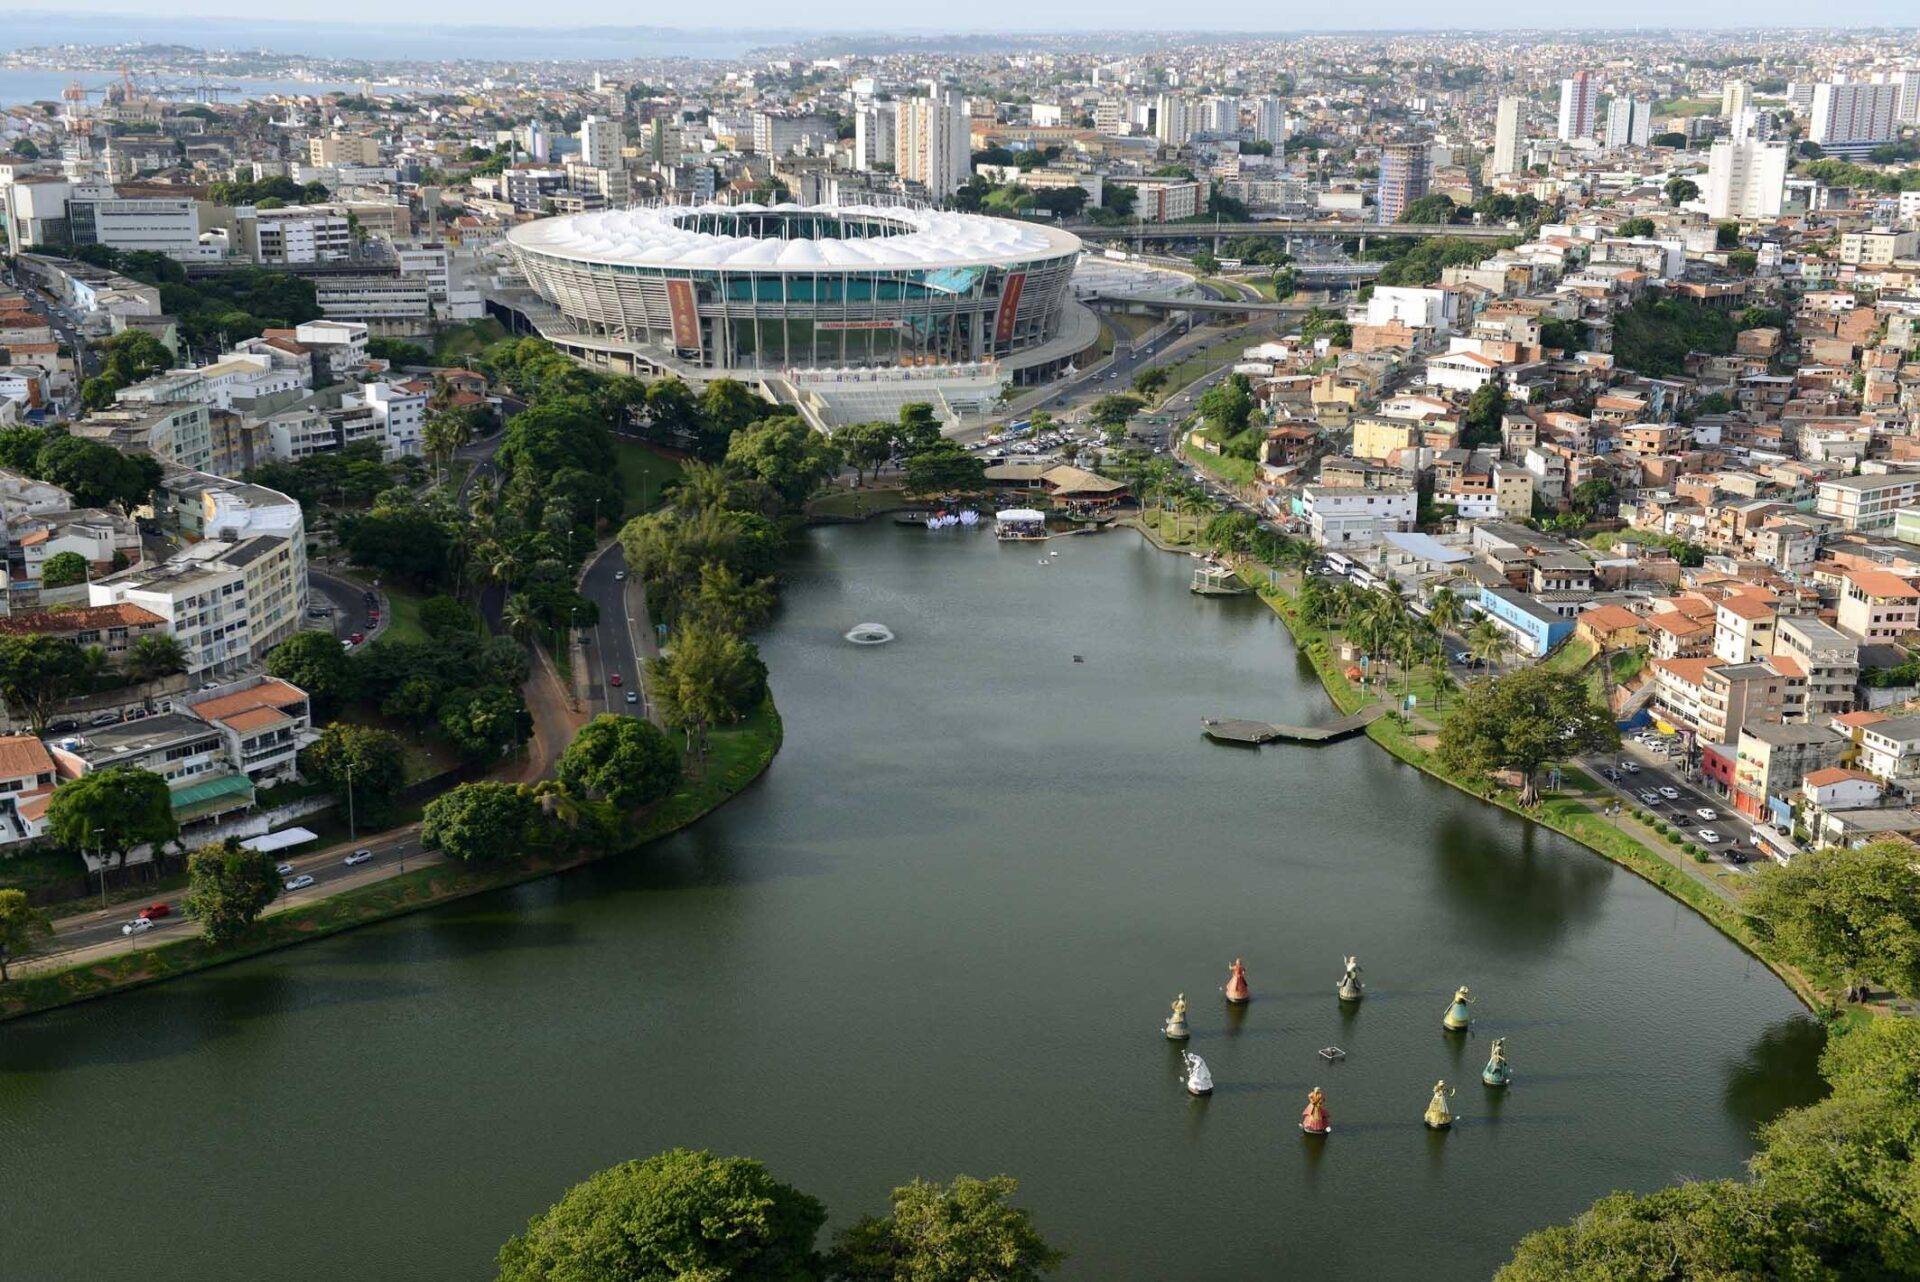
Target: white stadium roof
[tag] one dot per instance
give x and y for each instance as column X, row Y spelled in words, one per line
column 654, row 237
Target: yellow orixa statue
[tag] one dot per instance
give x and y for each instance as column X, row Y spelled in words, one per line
column 1176, row 1026
column 1458, row 1015
column 1439, row 1116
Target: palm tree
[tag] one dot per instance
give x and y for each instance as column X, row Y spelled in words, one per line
column 1446, row 610
column 703, row 487
column 518, row 615
column 1484, row 638
column 155, row 655
column 444, row 436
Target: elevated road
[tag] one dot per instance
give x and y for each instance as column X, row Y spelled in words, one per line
column 1165, row 302
column 1281, row 227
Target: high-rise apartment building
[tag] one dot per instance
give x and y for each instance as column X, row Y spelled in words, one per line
column 1173, row 120
column 874, row 135
column 1629, row 123
column 1506, row 137
column 932, row 142
column 1403, row 178
column 600, row 142
column 1579, row 106
column 1851, row 119
column 1220, row 114
column 1736, row 96
column 1270, row 121
column 1745, row 178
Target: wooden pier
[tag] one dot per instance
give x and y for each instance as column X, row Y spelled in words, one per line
column 1254, row 733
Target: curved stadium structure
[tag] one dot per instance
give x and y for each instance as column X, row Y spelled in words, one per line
column 753, row 289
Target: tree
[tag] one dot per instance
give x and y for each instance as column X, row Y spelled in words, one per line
column 1694, row 1230
column 21, row 927
column 408, row 543
column 63, row 569
column 156, row 655
column 1228, row 405
column 785, row 455
column 681, row 1215
column 1149, row 381
column 865, row 446
column 963, row 1232
column 36, row 673
column 228, row 886
column 726, row 406
column 944, row 467
column 1480, row 425
column 1846, row 916
column 1522, row 722
column 95, row 473
column 445, row 435
column 1115, row 409
column 730, row 603
column 485, row 723
column 710, row 678
column 1593, row 496
column 624, row 759
column 919, row 428
column 363, row 763
column 111, row 811
column 1436, row 208
column 480, row 822
column 1680, row 190
column 315, row 662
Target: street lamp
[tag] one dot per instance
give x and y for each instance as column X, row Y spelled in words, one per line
column 353, row 832
column 103, row 866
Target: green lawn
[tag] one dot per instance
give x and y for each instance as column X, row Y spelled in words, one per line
column 644, row 475
column 459, row 343
column 1235, row 471
column 403, row 622
column 1571, row 657
column 1204, row 360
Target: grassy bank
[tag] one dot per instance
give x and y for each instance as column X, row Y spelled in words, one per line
column 1566, row 813
column 736, row 757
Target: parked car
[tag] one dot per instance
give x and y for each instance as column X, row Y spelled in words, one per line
column 1613, row 776
column 154, row 912
column 613, row 679
column 301, row 882
column 1631, row 767
column 135, row 926
column 360, row 856
column 356, row 637
column 1671, row 794
column 283, row 870
column 1707, row 813
column 1709, row 836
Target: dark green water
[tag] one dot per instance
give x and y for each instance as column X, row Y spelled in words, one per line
column 939, row 937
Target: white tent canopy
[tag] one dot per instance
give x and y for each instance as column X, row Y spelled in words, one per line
column 1019, row 514
column 281, row 840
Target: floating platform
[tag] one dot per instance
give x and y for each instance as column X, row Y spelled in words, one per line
column 1233, row 730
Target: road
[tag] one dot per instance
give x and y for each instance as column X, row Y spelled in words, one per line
column 344, row 602
column 621, row 641
column 392, row 853
column 1655, row 772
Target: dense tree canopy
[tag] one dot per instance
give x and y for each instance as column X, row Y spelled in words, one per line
column 963, row 1232
column 22, row 927
column 315, row 662
column 111, row 811
column 1521, row 722
column 367, row 760
column 624, row 759
column 228, row 886
column 1846, row 916
column 480, row 822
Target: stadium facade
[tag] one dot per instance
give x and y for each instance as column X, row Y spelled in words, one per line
column 754, row 290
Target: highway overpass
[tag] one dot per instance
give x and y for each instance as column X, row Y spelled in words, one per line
column 1284, row 227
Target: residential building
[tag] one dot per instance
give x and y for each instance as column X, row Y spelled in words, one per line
column 111, row 628
column 172, row 431
column 1854, row 117
column 1174, row 120
column 335, row 149
column 186, row 752
column 401, row 409
column 1270, row 122
column 1355, row 516
column 1878, row 605
column 1506, row 136
column 1746, row 179
column 1771, row 760
column 1579, row 106
column 1878, row 247
column 1629, row 122
column 1830, row 659
column 933, row 142
column 600, row 142
column 874, row 143
column 1866, row 502
column 1534, row 626
column 27, row 777
column 1743, row 628
column 1403, row 178
column 264, row 723
column 1890, row 751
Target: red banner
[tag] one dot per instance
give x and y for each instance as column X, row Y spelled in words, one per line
column 1009, row 305
column 686, row 316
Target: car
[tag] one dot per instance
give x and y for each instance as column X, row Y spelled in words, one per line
column 135, row 926
column 1631, row 767
column 614, row 679
column 154, row 912
column 1707, row 813
column 1671, row 794
column 356, row 637
column 633, row 696
column 360, row 856
column 1651, row 797
column 1735, row 855
column 318, row 612
column 283, row 870
column 1613, row 776
column 619, row 576
column 1709, row 836
column 301, row 882
column 1462, row 656
column 346, row 645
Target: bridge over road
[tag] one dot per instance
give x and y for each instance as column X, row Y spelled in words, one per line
column 1282, row 227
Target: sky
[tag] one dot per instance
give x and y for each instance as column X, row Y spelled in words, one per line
column 753, row 16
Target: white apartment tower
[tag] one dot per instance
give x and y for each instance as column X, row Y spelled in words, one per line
column 1736, row 96
column 1629, row 123
column 1579, row 106
column 1853, row 119
column 874, row 134
column 1506, row 137
column 600, row 142
column 1270, row 121
column 933, row 142
column 1221, row 114
column 1745, row 178
column 1173, row 120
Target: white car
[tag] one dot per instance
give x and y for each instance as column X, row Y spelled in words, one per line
column 283, row 870
column 1631, row 767
column 1709, row 836
column 135, row 926
column 359, row 857
column 619, row 576
column 1671, row 794
column 301, row 882
column 1707, row 813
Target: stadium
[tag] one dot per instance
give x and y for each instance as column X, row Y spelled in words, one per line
column 753, row 291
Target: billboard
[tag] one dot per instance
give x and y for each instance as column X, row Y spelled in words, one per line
column 686, row 317
column 1009, row 305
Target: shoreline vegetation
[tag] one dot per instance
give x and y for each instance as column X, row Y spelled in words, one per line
column 737, row 756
